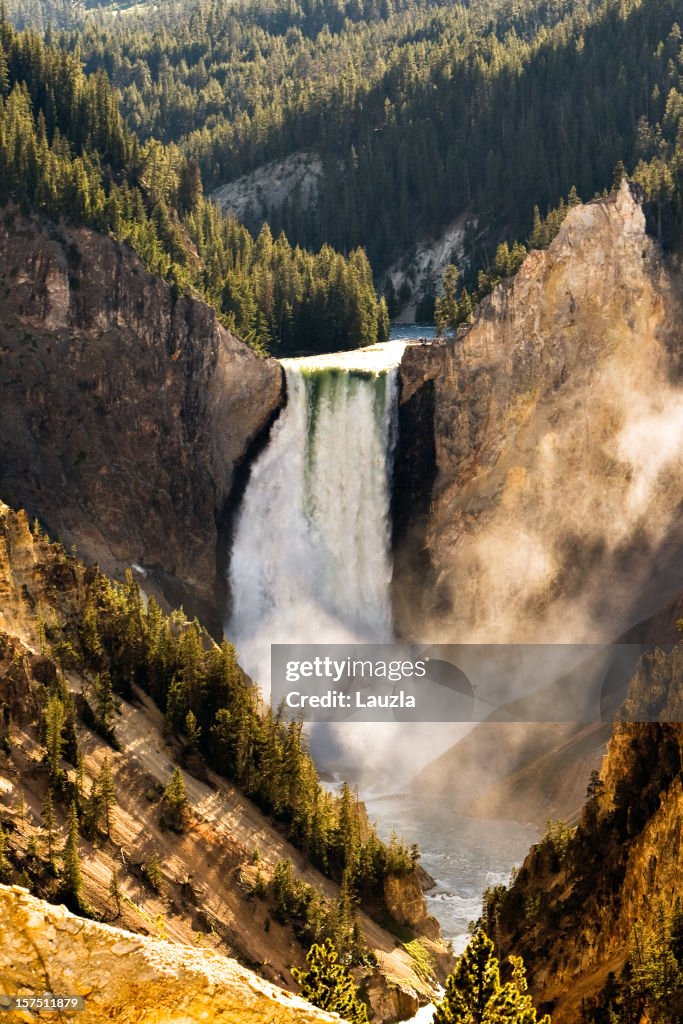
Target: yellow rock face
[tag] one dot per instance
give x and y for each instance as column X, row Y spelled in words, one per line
column 128, row 978
column 556, row 466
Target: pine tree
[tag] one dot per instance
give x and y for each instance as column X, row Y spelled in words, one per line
column 192, row 731
column 153, row 872
column 175, row 802
column 115, row 890
column 573, row 199
column 4, row 74
column 92, row 812
column 54, row 718
column 107, row 793
column 474, row 994
column 465, row 308
column 72, row 879
column 80, row 781
column 446, row 305
column 348, row 829
column 618, row 175
column 105, row 705
column 327, row 984
column 190, row 187
column 538, row 239
column 49, row 827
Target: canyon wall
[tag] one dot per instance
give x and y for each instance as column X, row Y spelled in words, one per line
column 128, row 411
column 577, row 912
column 538, row 480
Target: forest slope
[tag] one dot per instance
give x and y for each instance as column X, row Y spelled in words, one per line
column 211, row 883
column 419, row 113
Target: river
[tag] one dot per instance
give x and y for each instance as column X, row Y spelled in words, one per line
column 463, row 855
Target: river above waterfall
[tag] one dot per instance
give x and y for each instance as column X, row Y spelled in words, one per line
column 412, row 332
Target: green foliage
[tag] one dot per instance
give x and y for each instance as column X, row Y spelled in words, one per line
column 48, row 826
column 152, row 871
column 557, row 839
column 455, row 308
column 575, row 878
column 64, row 149
column 418, row 111
column 423, row 960
column 107, row 793
column 54, row 719
column 475, row 994
column 187, row 674
column 72, row 879
column 657, row 966
column 5, row 865
column 174, row 802
column 192, row 730
column 650, row 986
column 105, row 705
column 446, row 311
column 327, row 984
column 315, row 918
column 98, row 706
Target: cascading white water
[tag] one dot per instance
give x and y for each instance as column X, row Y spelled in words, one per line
column 311, row 558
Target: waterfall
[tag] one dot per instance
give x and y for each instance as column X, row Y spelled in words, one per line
column 311, row 559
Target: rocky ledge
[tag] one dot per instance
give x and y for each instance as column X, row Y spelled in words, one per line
column 127, row 978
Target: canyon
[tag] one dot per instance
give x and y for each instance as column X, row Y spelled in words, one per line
column 528, row 502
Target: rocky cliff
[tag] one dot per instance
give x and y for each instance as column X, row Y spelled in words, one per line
column 127, row 410
column 582, row 903
column 538, row 480
column 130, row 978
column 539, row 485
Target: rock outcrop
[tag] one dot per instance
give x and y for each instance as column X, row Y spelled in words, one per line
column 127, row 410
column 389, row 1001
column 405, row 902
column 545, row 504
column 128, row 978
column 539, row 485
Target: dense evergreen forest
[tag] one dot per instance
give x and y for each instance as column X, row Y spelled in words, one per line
column 65, row 150
column 116, row 641
column 420, row 112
